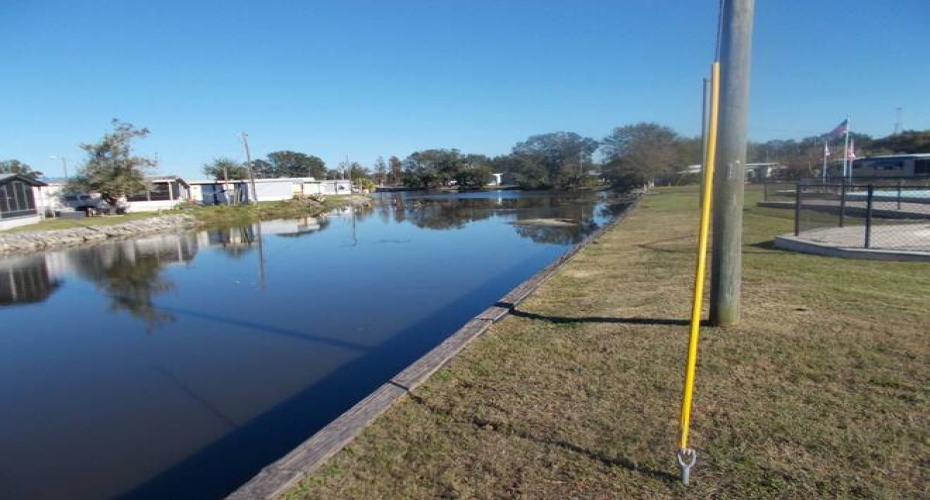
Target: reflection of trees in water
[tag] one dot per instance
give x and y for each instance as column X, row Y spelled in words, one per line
column 557, row 234
column 129, row 273
column 453, row 212
column 614, row 208
column 444, row 214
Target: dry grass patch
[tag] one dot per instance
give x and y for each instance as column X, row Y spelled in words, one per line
column 821, row 391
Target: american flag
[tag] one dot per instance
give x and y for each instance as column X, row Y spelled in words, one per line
column 840, row 129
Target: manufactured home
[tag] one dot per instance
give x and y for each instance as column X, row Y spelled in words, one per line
column 20, row 200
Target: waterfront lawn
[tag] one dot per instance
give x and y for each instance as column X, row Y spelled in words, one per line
column 820, row 392
column 52, row 224
column 234, row 215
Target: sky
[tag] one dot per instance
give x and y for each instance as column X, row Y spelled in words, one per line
column 360, row 79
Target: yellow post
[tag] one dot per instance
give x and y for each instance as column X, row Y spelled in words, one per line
column 687, row 456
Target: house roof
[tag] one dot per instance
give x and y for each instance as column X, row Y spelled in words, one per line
column 168, row 178
column 27, row 180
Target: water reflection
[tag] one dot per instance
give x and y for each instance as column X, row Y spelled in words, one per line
column 531, row 212
column 25, row 280
column 237, row 369
column 130, row 273
column 235, row 241
column 554, row 233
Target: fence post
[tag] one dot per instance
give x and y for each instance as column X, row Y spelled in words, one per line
column 842, row 201
column 868, row 217
column 797, row 209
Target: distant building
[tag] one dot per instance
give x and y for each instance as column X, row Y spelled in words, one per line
column 326, row 187
column 213, row 192
column 165, row 194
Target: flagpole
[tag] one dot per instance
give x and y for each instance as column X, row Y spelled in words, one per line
column 847, row 168
column 826, row 152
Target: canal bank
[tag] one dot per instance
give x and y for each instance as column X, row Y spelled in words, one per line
column 280, row 476
column 820, row 391
column 95, row 230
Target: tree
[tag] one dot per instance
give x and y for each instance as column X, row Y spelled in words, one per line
column 432, row 167
column 353, row 170
column 688, row 151
column 555, row 159
column 19, row 168
column 380, row 171
column 111, row 169
column 261, row 169
column 294, row 164
column 909, row 141
column 637, row 154
column 225, row 168
column 396, row 170
column 473, row 177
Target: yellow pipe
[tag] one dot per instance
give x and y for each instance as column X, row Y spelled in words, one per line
column 710, row 158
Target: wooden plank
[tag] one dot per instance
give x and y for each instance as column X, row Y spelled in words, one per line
column 271, row 482
column 277, row 478
column 421, row 369
column 495, row 313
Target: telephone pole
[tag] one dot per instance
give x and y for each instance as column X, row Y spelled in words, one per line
column 248, row 162
column 734, row 49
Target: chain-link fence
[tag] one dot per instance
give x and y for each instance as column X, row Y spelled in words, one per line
column 886, row 214
column 783, row 191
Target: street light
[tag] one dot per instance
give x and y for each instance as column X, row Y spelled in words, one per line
column 64, row 164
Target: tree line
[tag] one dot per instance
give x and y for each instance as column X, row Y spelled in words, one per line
column 631, row 155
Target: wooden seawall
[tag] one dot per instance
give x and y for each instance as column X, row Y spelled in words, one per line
column 282, row 475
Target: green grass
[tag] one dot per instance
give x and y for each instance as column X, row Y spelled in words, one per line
column 821, row 391
column 52, row 224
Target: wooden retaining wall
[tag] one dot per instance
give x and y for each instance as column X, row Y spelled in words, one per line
column 282, row 475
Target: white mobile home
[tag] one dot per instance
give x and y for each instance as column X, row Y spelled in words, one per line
column 20, row 201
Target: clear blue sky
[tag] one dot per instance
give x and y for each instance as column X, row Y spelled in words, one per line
column 367, row 78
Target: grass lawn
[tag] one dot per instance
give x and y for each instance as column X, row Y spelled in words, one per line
column 52, row 224
column 822, row 391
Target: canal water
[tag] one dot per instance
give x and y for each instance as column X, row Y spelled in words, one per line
column 177, row 366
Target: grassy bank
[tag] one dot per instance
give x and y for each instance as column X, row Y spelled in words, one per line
column 243, row 214
column 220, row 215
column 823, row 390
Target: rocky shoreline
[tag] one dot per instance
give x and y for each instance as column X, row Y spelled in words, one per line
column 27, row 242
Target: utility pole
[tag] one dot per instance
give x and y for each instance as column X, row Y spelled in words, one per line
column 349, row 173
column 226, row 183
column 64, row 164
column 897, row 123
column 734, row 48
column 248, row 160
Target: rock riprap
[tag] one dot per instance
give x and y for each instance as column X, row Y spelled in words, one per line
column 31, row 241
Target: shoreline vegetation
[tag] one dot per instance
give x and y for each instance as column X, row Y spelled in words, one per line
column 54, row 233
column 820, row 391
